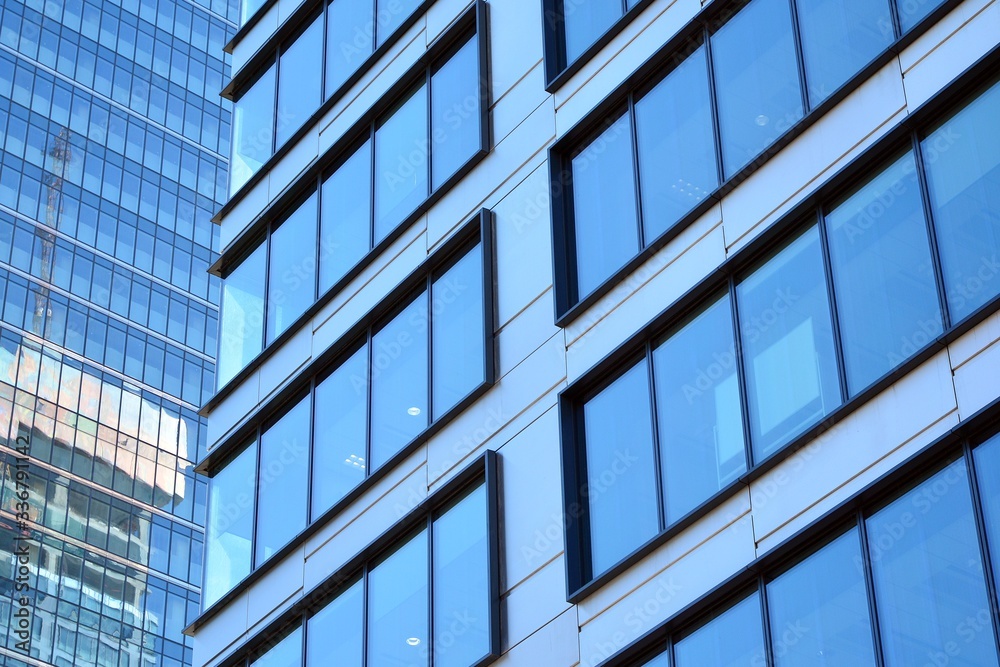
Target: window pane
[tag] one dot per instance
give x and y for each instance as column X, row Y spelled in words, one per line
column 401, row 163
column 341, row 425
column 455, row 113
column 735, row 638
column 882, row 272
column 284, row 468
column 677, row 167
column 604, row 209
column 292, row 271
column 838, row 38
column 791, row 366
column 757, row 80
column 399, row 382
column 299, row 78
column 230, row 526
column 287, row 653
column 248, row 8
column 928, row 574
column 963, row 174
column 335, row 634
column 349, row 40
column 345, row 224
column 458, row 336
column 912, row 11
column 700, row 416
column 988, row 470
column 819, row 610
column 397, row 607
column 461, row 583
column 391, row 14
column 253, row 130
column 584, row 22
column 242, row 327
column 620, row 469
column 658, row 661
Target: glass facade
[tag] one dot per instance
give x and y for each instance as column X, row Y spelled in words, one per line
column 114, row 151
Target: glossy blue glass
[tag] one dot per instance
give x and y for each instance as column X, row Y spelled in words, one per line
column 291, row 286
column 335, row 635
column 282, row 481
column 455, row 113
column 401, row 163
column 584, row 21
column 300, row 79
column 987, row 457
column 734, row 638
column 241, row 328
column 346, row 217
column 349, row 40
column 229, row 533
column 398, row 627
column 458, row 335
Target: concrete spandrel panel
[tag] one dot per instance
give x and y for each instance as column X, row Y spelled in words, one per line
column 516, row 35
column 221, row 632
column 976, row 381
column 536, row 601
column 555, row 645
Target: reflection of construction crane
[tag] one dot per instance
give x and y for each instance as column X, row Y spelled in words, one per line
column 60, row 154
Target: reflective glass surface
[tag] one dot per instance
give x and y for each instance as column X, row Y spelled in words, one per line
column 699, row 415
column 461, row 583
column 230, row 526
column 291, row 274
column 839, row 37
column 620, row 463
column 345, row 224
column 911, row 12
column 604, row 206
column 882, row 273
column 336, row 634
column 241, row 335
column 397, row 607
column 928, row 574
column 390, row 14
column 286, row 653
column 584, row 22
column 253, row 130
column 455, row 112
column 282, row 481
column 757, row 80
column 734, row 638
column 677, row 165
column 349, row 40
column 962, row 159
column 399, row 382
column 987, row 458
column 340, row 432
column 457, row 332
column 401, row 154
column 819, row 609
column 300, row 80
column 788, row 348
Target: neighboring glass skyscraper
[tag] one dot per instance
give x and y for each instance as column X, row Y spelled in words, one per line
column 113, row 141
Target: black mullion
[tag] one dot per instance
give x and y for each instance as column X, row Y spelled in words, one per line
column 375, row 30
column 925, row 199
column 305, row 639
column 831, row 295
column 869, row 575
column 897, row 25
column 765, row 621
column 256, row 500
column 630, row 115
column 325, row 12
column 364, row 612
column 658, row 472
column 713, row 103
column 800, row 61
column 430, row 589
column 984, row 546
column 741, row 379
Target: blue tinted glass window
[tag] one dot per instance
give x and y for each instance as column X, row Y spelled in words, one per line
column 585, row 21
column 928, row 574
column 757, row 80
column 988, row 470
column 458, row 336
column 620, row 462
column 455, row 112
column 677, row 165
column 340, row 432
column 336, row 633
column 390, row 14
column 401, row 163
column 399, row 382
column 735, row 638
column 345, row 224
column 819, row 609
column 282, row 481
column 962, row 159
column 787, row 336
column 287, row 652
column 700, row 418
column 300, row 79
column 229, row 530
column 253, row 130
column 882, row 273
column 838, row 38
column 349, row 40
column 604, row 206
column 291, row 285
column 912, row 11
column 242, row 325
column 398, row 607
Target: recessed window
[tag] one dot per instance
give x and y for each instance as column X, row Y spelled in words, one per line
column 349, row 40
column 401, row 162
column 300, row 81
column 229, row 531
column 241, row 331
column 291, row 287
column 733, row 639
column 455, row 112
column 345, row 222
column 253, row 130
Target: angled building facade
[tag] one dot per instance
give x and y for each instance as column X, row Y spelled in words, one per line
column 608, row 332
column 113, row 159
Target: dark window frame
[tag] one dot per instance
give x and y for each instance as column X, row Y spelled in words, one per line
column 471, row 25
column 580, row 579
column 485, row 471
column 569, row 304
column 477, row 233
column 959, row 444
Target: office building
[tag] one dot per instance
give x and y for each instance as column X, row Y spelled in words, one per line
column 114, row 149
column 608, row 332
